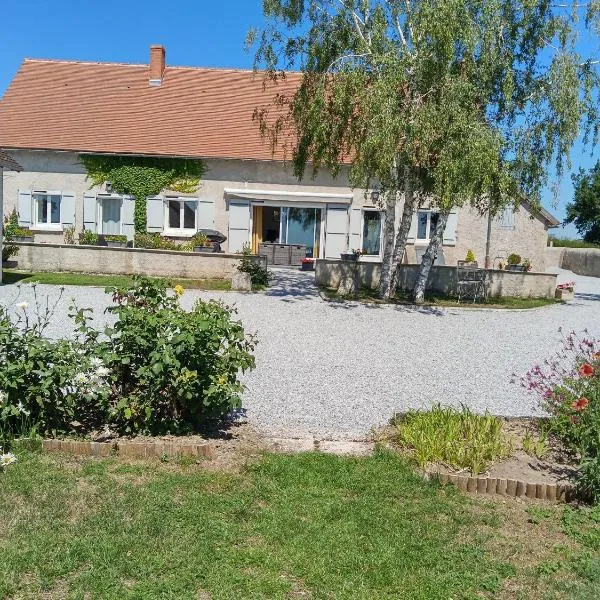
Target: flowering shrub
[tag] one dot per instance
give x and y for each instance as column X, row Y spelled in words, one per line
column 6, row 459
column 158, row 369
column 569, row 387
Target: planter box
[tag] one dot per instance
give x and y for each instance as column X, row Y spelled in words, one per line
column 517, row 268
column 308, row 265
column 209, row 249
column 23, row 238
column 564, row 295
column 113, row 244
column 349, row 257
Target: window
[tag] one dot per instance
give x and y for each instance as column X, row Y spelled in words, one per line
column 371, row 233
column 507, row 218
column 47, row 209
column 181, row 214
column 426, row 224
column 110, row 216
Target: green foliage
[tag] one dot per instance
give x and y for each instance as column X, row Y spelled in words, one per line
column 259, row 275
column 115, row 238
column 584, row 211
column 568, row 243
column 158, row 369
column 88, row 238
column 143, row 176
column 470, row 256
column 11, row 225
column 514, row 259
column 200, row 239
column 458, row 438
column 569, row 386
column 535, row 445
column 69, row 235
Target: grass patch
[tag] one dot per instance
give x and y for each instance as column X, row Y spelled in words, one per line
column 370, row 296
column 568, row 243
column 458, row 438
column 11, row 276
column 304, row 526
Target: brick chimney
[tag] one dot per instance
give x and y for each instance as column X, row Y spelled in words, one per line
column 157, row 64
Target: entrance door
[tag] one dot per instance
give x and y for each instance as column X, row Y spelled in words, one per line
column 303, row 227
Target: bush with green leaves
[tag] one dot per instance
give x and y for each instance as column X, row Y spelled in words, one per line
column 514, row 259
column 11, row 230
column 568, row 385
column 259, row 275
column 155, row 241
column 158, row 369
column 88, row 238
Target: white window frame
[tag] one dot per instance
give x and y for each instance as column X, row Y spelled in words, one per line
column 37, row 224
column 100, row 210
column 180, row 231
column 427, row 239
column 362, row 233
column 506, row 219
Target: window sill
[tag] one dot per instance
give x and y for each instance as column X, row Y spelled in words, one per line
column 179, row 232
column 46, row 229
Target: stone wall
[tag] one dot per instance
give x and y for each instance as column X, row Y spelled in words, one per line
column 582, row 261
column 125, row 261
column 442, row 279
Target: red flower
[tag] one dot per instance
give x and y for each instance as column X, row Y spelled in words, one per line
column 580, row 404
column 586, row 370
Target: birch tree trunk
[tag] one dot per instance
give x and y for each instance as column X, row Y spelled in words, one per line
column 388, row 245
column 428, row 258
column 404, row 227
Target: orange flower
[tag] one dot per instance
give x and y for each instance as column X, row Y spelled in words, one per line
column 597, row 356
column 586, row 370
column 580, row 404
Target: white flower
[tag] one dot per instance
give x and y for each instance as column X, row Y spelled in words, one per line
column 102, row 371
column 96, row 362
column 22, row 305
column 80, row 378
column 21, row 409
column 7, row 459
column 2, row 397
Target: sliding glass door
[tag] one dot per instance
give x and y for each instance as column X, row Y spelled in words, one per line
column 301, row 226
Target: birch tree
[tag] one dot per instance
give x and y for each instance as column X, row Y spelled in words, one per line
column 448, row 102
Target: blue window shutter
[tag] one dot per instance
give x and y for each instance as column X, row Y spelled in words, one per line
column 355, row 227
column 155, row 214
column 450, row 231
column 127, row 216
column 206, row 213
column 90, row 212
column 25, row 208
column 412, row 232
column 67, row 209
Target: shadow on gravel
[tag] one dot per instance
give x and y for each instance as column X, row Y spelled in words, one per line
column 584, row 296
column 407, row 308
column 291, row 285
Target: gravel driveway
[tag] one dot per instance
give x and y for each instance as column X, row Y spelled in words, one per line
column 334, row 370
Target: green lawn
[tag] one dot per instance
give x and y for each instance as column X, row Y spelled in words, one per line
column 11, row 276
column 304, row 526
column 370, row 296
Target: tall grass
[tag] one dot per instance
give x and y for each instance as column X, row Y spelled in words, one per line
column 458, row 438
column 567, row 243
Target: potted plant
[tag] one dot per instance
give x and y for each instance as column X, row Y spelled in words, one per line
column 470, row 257
column 88, row 238
column 307, row 264
column 350, row 255
column 116, row 241
column 565, row 291
column 201, row 243
column 514, row 263
column 13, row 232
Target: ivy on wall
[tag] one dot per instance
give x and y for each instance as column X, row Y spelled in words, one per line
column 143, row 176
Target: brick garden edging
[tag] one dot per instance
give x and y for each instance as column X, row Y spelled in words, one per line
column 129, row 449
column 512, row 488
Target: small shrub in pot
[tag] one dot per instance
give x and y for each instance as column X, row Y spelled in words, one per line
column 514, row 259
column 88, row 238
column 116, row 241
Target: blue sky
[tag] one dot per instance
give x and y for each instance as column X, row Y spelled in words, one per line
column 195, row 33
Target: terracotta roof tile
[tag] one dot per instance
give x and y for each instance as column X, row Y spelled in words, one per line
column 8, row 162
column 111, row 108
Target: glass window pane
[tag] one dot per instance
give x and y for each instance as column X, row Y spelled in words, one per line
column 42, row 209
column 371, row 232
column 55, row 209
column 189, row 215
column 433, row 224
column 422, row 225
column 301, row 228
column 111, row 216
column 174, row 221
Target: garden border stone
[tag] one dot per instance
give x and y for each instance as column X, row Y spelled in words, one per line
column 555, row 492
column 129, row 449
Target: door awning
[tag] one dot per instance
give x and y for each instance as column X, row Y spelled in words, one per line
column 283, row 196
